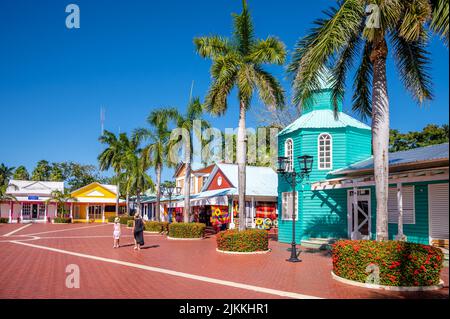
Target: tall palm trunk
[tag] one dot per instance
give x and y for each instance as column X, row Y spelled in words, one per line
column 138, row 202
column 158, row 192
column 241, row 156
column 128, row 203
column 117, row 199
column 380, row 139
column 187, row 186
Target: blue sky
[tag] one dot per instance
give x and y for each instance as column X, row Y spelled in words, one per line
column 133, row 56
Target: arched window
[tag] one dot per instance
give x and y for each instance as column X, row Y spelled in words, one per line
column 289, row 153
column 325, row 152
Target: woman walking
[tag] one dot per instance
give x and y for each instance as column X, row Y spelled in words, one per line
column 138, row 231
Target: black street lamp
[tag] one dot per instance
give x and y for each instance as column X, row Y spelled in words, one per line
column 286, row 169
column 169, row 191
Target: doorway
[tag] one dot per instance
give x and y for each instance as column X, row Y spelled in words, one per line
column 359, row 223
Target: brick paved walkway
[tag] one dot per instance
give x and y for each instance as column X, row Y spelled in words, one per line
column 33, row 266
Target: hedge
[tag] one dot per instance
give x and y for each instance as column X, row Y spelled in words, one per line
column 154, row 226
column 187, row 230
column 4, row 220
column 249, row 240
column 130, row 223
column 62, row 220
column 111, row 219
column 399, row 263
column 124, row 219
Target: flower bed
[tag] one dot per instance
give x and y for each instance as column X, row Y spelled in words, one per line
column 4, row 220
column 187, row 230
column 400, row 264
column 157, row 227
column 62, row 220
column 251, row 240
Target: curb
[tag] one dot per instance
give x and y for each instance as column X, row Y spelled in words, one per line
column 173, row 238
column 243, row 252
column 389, row 288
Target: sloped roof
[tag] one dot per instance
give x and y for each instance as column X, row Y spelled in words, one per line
column 34, row 187
column 324, row 119
column 417, row 155
column 260, row 181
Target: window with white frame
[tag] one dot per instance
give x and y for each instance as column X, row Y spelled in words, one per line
column 26, row 211
column 286, row 205
column 408, row 205
column 289, row 153
column 325, row 148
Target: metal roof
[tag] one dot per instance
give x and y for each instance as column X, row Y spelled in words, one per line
column 417, row 155
column 324, row 119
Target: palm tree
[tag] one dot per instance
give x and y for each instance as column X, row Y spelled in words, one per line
column 137, row 163
column 237, row 62
column 61, row 198
column 112, row 157
column 347, row 34
column 186, row 122
column 21, row 173
column 5, row 174
column 158, row 148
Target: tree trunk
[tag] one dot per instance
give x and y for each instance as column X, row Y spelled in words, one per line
column 138, row 202
column 380, row 135
column 117, row 199
column 241, row 156
column 128, row 204
column 187, row 186
column 158, row 192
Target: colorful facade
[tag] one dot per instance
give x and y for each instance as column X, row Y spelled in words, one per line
column 342, row 179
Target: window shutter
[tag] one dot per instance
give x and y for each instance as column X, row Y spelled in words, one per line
column 408, row 205
column 438, row 202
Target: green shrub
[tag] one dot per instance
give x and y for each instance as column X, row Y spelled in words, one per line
column 399, row 263
column 62, row 220
column 4, row 220
column 154, row 226
column 124, row 219
column 187, row 230
column 111, row 219
column 130, row 223
column 249, row 240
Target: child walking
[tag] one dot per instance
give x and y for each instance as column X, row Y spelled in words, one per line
column 116, row 233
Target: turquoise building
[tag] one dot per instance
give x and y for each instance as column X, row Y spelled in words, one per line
column 342, row 179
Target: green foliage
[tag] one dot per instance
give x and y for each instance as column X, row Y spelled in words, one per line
column 41, row 171
column 4, row 220
column 111, row 219
column 187, row 230
column 399, row 263
column 124, row 219
column 21, row 173
column 5, row 174
column 62, row 220
column 249, row 240
column 130, row 223
column 154, row 226
column 431, row 134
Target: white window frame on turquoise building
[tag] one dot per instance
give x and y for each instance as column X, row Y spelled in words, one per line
column 290, row 163
column 328, row 165
column 409, row 207
column 286, row 213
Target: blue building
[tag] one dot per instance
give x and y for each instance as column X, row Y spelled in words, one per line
column 342, row 178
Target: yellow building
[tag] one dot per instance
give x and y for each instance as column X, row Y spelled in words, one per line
column 95, row 203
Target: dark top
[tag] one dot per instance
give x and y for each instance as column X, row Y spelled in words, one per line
column 139, row 231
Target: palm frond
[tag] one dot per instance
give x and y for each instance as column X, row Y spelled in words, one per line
column 362, row 84
column 270, row 90
column 212, row 46
column 243, row 30
column 270, row 50
column 439, row 21
column 415, row 15
column 412, row 59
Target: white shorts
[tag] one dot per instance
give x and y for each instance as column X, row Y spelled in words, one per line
column 116, row 235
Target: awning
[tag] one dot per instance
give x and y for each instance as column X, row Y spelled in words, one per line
column 217, row 197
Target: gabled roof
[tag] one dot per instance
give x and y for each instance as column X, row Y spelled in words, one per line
column 324, row 119
column 110, row 188
column 260, row 181
column 428, row 154
column 34, row 187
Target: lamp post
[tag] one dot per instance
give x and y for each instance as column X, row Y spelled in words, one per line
column 287, row 171
column 170, row 191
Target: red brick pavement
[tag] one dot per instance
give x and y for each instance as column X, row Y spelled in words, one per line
column 29, row 272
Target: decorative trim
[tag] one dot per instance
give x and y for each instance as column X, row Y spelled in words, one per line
column 244, row 252
column 390, row 288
